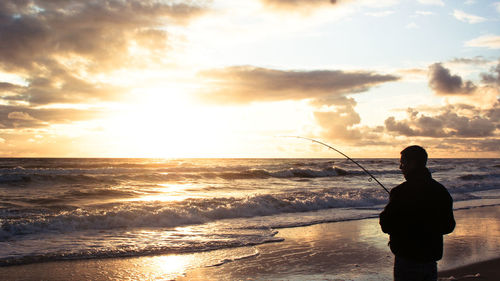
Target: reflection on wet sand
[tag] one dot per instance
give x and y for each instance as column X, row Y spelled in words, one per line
column 356, row 250
column 476, row 237
column 350, row 250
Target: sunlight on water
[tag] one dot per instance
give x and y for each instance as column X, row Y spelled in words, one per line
column 172, row 266
column 474, row 239
column 167, row 192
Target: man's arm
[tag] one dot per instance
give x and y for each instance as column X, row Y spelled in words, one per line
column 386, row 218
column 448, row 220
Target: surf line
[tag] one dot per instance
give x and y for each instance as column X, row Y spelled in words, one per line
column 349, row 158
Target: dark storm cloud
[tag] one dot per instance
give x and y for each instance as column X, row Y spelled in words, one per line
column 53, row 43
column 25, row 117
column 444, row 83
column 246, row 84
column 445, row 124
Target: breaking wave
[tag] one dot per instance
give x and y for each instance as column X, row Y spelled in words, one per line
column 189, row 211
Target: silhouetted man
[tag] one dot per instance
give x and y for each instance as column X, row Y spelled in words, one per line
column 417, row 216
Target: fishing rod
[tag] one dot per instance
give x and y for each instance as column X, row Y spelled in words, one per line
column 349, row 158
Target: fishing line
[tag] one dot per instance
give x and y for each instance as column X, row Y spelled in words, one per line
column 349, row 158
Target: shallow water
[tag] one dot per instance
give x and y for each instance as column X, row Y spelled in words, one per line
column 57, row 209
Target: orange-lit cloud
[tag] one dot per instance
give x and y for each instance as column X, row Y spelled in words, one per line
column 61, row 53
column 26, row 117
column 328, row 93
column 59, row 46
column 470, row 126
column 337, row 123
column 246, row 84
column 34, row 32
column 297, row 4
column 449, row 123
column 340, row 122
column 80, row 74
column 485, row 41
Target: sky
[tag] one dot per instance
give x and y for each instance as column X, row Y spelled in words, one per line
column 226, row 78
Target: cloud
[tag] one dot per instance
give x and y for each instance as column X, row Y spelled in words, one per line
column 431, row 2
column 380, row 14
column 411, row 25
column 443, row 83
column 468, row 146
column 20, row 116
column 493, row 77
column 8, row 87
column 58, row 46
column 310, row 5
column 26, row 117
column 424, row 13
column 475, row 60
column 337, row 123
column 469, row 18
column 413, row 71
column 297, row 4
column 340, row 122
column 485, row 41
column 448, row 123
column 59, row 85
column 246, row 84
column 326, row 90
column 97, row 30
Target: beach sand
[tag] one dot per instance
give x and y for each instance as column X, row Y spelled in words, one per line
column 350, row 250
column 486, row 270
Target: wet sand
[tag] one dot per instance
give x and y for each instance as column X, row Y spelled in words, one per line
column 486, row 270
column 357, row 250
column 350, row 250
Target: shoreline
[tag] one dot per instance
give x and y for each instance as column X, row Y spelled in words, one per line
column 346, row 250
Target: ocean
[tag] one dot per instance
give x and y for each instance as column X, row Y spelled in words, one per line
column 64, row 209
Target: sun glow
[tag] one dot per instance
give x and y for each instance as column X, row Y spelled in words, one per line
column 162, row 122
column 167, row 120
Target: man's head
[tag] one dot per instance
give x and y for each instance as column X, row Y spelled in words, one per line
column 412, row 158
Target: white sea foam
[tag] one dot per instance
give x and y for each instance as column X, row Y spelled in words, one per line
column 189, row 211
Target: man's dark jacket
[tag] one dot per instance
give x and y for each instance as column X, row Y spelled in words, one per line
column 419, row 213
